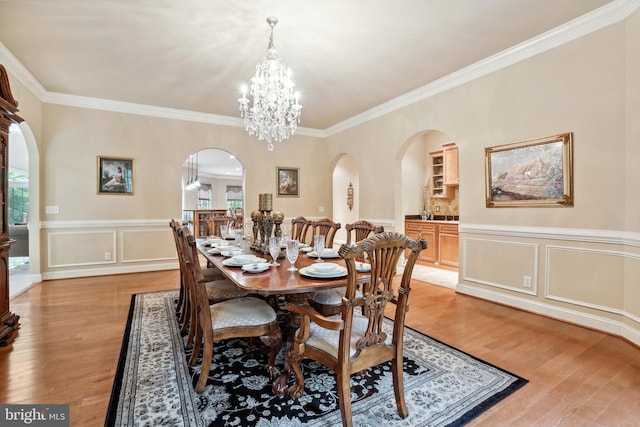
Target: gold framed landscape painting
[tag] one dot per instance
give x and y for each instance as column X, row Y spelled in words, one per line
column 533, row 173
column 115, row 175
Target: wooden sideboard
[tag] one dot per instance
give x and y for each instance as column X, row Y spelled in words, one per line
column 199, row 219
column 442, row 237
column 8, row 108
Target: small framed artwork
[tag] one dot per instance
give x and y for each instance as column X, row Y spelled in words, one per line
column 287, row 182
column 533, row 173
column 115, row 175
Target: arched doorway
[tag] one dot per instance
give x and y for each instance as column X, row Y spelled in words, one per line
column 24, row 207
column 219, row 189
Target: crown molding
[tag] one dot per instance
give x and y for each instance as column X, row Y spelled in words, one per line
column 604, row 16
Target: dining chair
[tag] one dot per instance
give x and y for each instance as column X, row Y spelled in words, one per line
column 358, row 339
column 329, row 301
column 299, row 229
column 210, row 273
column 326, row 227
column 219, row 289
column 245, row 317
column 360, row 230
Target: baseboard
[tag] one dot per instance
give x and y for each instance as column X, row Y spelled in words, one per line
column 69, row 274
column 587, row 320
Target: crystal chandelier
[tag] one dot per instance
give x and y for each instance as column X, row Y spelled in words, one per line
column 275, row 113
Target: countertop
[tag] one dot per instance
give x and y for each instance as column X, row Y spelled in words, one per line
column 434, row 221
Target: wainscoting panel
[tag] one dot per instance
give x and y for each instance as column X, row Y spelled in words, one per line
column 588, row 277
column 147, row 245
column 81, row 248
column 503, row 264
column 597, row 274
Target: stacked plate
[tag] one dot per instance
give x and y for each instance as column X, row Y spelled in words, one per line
column 242, row 259
column 324, row 270
column 256, row 267
column 213, row 241
column 218, row 249
column 327, row 253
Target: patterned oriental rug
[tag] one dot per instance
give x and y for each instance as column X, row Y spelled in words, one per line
column 154, row 386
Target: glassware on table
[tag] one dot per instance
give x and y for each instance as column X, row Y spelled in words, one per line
column 237, row 234
column 274, row 249
column 223, row 231
column 293, row 249
column 318, row 246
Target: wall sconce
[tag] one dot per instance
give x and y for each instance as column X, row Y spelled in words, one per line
column 350, row 196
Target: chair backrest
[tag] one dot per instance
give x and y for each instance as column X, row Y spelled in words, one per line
column 384, row 251
column 327, row 227
column 361, row 230
column 299, row 228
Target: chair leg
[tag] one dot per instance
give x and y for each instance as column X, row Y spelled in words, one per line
column 207, row 355
column 398, row 386
column 197, row 344
column 344, row 396
column 192, row 324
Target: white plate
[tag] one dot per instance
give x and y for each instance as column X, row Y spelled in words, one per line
column 362, row 267
column 306, row 249
column 230, row 262
column 310, row 272
column 257, row 267
column 325, row 254
column 232, row 252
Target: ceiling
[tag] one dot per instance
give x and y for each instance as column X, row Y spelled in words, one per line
column 347, row 57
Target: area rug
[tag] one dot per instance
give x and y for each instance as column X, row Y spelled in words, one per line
column 154, row 386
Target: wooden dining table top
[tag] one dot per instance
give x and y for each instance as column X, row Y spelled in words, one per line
column 277, row 280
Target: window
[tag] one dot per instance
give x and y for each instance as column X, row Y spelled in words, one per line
column 234, row 197
column 204, row 197
column 18, row 198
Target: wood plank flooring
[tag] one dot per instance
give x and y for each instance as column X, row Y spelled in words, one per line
column 69, row 343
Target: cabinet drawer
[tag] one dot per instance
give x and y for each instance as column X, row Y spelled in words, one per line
column 417, row 226
column 449, row 228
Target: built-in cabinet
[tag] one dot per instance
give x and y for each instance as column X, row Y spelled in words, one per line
column 444, row 171
column 199, row 220
column 442, row 238
column 8, row 108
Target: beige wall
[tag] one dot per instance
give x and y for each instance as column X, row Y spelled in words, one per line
column 590, row 86
column 580, row 87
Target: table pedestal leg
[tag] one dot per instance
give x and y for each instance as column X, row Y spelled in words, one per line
column 281, row 382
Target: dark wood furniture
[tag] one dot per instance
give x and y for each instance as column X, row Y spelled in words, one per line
column 8, row 108
column 275, row 283
column 199, row 218
column 299, row 229
column 326, row 227
column 355, row 340
column 244, row 316
column 360, row 230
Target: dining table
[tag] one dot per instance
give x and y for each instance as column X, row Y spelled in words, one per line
column 278, row 282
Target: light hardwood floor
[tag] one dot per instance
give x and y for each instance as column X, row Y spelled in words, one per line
column 72, row 330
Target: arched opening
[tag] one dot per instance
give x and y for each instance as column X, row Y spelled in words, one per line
column 212, row 185
column 346, row 191
column 414, row 195
column 23, row 196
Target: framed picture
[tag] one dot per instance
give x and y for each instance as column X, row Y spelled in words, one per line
column 532, row 173
column 115, row 175
column 288, row 182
